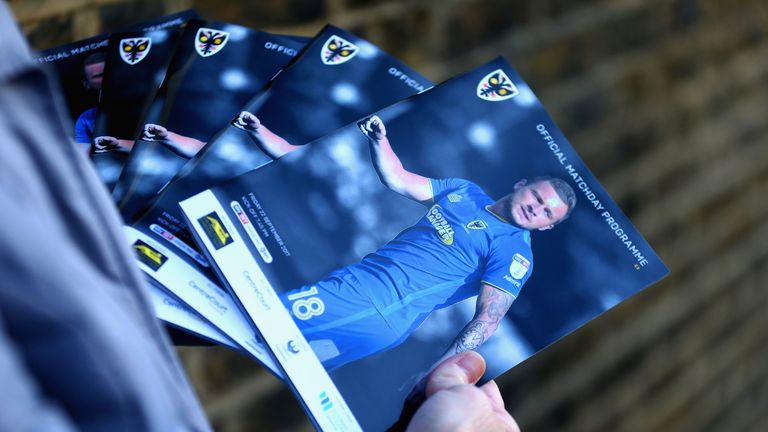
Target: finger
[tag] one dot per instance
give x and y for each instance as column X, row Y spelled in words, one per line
column 494, row 395
column 464, row 368
column 254, row 120
column 377, row 123
column 508, row 420
column 474, row 364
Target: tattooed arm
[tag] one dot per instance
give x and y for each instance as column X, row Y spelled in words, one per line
column 492, row 305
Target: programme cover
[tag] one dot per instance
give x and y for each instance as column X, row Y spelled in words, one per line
column 217, row 68
column 136, row 63
column 309, row 98
column 337, row 78
column 79, row 67
column 180, row 316
column 301, row 91
column 490, row 234
column 195, row 294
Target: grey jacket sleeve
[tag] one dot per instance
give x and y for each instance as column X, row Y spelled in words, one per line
column 80, row 347
column 25, row 408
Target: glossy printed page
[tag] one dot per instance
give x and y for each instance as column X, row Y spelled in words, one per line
column 217, row 68
column 459, row 219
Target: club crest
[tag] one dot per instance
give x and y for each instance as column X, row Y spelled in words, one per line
column 496, row 86
column 134, row 50
column 477, row 224
column 210, row 41
column 338, row 50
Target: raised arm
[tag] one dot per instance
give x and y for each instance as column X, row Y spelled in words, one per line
column 105, row 143
column 272, row 144
column 388, row 166
column 492, row 305
column 185, row 145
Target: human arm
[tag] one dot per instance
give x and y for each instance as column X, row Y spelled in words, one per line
column 105, row 143
column 388, row 165
column 492, row 305
column 272, row 144
column 185, row 145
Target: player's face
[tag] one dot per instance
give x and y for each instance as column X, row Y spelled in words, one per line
column 93, row 75
column 536, row 206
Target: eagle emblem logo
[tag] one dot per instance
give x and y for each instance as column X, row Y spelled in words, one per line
column 338, row 50
column 477, row 224
column 496, row 86
column 209, row 41
column 134, row 50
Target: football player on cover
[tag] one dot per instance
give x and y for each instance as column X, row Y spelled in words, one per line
column 93, row 74
column 466, row 245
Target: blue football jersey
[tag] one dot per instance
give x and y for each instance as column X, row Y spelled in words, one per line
column 444, row 257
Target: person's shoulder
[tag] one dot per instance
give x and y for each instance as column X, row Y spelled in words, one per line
column 461, row 183
column 445, row 185
column 510, row 236
column 474, row 191
column 454, row 188
column 88, row 115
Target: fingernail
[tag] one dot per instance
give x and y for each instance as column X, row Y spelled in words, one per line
column 472, row 364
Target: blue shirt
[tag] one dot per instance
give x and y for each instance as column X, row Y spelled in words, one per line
column 84, row 126
column 446, row 255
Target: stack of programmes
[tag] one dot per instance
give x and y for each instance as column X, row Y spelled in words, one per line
column 323, row 208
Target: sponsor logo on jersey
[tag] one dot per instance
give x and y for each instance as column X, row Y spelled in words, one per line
column 477, row 224
column 454, row 197
column 496, row 86
column 209, row 41
column 337, row 50
column 444, row 229
column 134, row 50
column 519, row 267
column 214, row 229
column 148, row 255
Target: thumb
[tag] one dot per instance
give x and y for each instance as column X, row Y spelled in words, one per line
column 464, row 368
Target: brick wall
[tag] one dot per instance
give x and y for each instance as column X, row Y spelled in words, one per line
column 666, row 100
